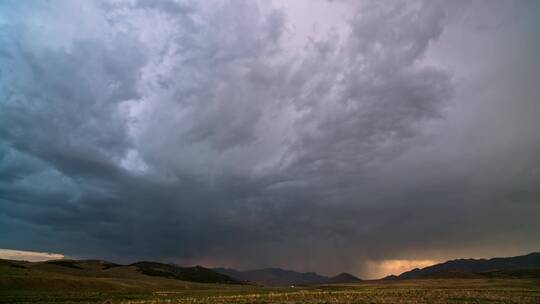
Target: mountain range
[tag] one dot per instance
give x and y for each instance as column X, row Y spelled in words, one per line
column 519, row 266
column 282, row 277
column 102, row 275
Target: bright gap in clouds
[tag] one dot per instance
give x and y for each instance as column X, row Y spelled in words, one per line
column 381, row 269
column 31, row 256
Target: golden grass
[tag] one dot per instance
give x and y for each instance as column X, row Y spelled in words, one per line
column 23, row 285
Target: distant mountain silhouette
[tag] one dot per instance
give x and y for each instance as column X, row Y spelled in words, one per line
column 343, row 278
column 519, row 266
column 282, row 277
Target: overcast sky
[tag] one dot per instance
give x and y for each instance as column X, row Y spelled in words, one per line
column 316, row 135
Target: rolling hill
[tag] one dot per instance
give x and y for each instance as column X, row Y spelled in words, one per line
column 93, row 275
column 192, row 274
column 519, row 266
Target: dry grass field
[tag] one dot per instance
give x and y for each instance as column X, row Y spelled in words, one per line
column 421, row 291
column 97, row 282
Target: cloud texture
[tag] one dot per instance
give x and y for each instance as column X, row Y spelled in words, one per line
column 235, row 133
column 30, row 256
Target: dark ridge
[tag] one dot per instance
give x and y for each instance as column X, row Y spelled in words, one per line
column 194, row 274
column 97, row 268
column 64, row 263
column 10, row 264
column 282, row 277
column 104, row 264
column 110, row 265
column 343, row 278
column 390, row 277
column 17, row 266
column 469, row 268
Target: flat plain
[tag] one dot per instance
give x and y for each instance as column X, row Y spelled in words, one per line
column 99, row 282
column 418, row 291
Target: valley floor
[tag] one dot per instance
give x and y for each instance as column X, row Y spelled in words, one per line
column 420, row 291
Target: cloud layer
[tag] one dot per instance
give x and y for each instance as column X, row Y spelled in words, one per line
column 235, row 133
column 30, row 256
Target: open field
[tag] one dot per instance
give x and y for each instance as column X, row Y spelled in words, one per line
column 93, row 281
column 420, row 291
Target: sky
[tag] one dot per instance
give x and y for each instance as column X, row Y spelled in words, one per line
column 30, row 256
column 361, row 136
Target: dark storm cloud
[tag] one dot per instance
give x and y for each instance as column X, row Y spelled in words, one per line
column 195, row 132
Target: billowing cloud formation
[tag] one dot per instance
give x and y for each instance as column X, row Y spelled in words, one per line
column 230, row 133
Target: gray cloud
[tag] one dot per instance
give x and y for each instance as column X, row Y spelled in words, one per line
column 193, row 132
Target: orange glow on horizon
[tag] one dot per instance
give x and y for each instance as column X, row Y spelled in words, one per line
column 388, row 267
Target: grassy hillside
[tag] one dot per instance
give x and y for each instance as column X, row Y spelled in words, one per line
column 93, row 275
column 192, row 274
